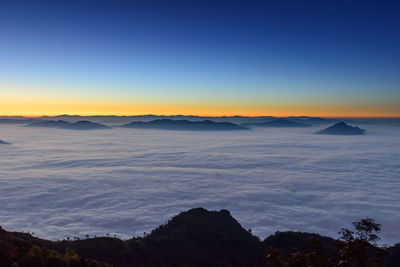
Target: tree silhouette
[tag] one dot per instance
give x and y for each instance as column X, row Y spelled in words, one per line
column 366, row 230
column 357, row 248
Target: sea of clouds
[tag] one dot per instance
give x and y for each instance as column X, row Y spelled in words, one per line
column 64, row 183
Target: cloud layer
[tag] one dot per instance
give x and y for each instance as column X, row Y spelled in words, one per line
column 60, row 183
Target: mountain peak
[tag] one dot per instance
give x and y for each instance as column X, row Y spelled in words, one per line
column 342, row 128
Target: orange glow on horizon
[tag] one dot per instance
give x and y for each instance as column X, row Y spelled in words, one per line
column 55, row 108
column 26, row 103
column 34, row 100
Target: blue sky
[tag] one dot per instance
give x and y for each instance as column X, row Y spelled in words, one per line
column 203, row 53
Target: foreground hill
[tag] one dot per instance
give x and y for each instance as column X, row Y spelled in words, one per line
column 168, row 124
column 198, row 237
column 194, row 238
column 342, row 128
column 15, row 251
column 79, row 125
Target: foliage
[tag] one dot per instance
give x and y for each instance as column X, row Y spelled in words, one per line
column 317, row 256
column 355, row 248
column 366, row 230
column 18, row 252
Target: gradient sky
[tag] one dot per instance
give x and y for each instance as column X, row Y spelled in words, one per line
column 324, row 58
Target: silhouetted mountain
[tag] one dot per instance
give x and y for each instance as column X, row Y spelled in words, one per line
column 79, row 125
column 287, row 241
column 196, row 238
column 167, row 124
column 118, row 120
column 112, row 120
column 393, row 257
column 17, row 121
column 205, row 238
column 312, row 120
column 87, row 125
column 375, row 121
column 342, row 128
column 15, row 251
column 280, row 123
column 3, row 143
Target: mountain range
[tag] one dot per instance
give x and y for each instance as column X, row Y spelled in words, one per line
column 60, row 124
column 280, row 123
column 168, row 124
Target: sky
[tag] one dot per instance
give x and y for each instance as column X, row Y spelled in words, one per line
column 281, row 58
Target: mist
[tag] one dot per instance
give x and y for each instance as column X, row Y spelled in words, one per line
column 62, row 183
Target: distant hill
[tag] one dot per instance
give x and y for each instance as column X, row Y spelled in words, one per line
column 17, row 121
column 168, row 124
column 3, row 143
column 342, row 128
column 113, row 120
column 312, row 120
column 280, row 123
column 79, row 125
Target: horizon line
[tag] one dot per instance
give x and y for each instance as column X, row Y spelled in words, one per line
column 203, row 116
